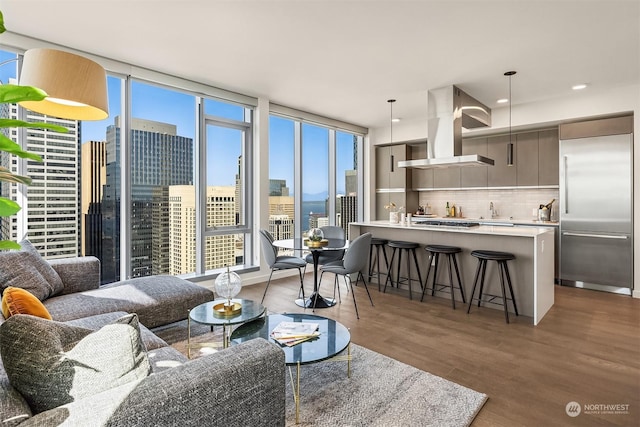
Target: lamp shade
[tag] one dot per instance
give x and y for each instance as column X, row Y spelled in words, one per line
column 77, row 86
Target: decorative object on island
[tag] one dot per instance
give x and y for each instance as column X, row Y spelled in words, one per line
column 315, row 238
column 510, row 145
column 228, row 285
column 394, row 212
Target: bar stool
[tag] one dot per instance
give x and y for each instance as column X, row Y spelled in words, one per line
column 400, row 246
column 379, row 245
column 501, row 258
column 434, row 255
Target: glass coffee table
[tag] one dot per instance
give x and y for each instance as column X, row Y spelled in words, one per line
column 334, row 338
column 205, row 314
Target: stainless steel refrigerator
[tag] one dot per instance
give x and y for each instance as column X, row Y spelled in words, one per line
column 596, row 205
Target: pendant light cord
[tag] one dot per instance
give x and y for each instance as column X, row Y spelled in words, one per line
column 391, row 101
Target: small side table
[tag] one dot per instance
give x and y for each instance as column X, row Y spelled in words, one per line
column 205, row 315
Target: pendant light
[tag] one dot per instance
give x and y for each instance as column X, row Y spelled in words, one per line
column 510, row 144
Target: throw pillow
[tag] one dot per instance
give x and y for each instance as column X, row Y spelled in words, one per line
column 26, row 269
column 51, row 363
column 20, row 301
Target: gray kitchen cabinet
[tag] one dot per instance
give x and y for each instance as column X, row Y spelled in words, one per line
column 526, row 159
column 388, row 174
column 476, row 176
column 548, row 157
column 500, row 175
column 446, row 177
column 393, row 184
column 420, row 178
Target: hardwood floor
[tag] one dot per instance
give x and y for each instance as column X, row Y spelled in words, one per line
column 586, row 349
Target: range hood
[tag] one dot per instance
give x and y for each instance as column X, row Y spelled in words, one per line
column 449, row 110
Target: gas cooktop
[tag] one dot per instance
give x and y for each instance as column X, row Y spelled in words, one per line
column 452, row 223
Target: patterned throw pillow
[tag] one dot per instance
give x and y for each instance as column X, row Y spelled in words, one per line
column 51, row 363
column 26, row 269
column 20, row 301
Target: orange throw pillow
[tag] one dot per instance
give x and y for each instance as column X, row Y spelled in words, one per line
column 19, row 301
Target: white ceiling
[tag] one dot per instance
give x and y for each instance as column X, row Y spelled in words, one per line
column 344, row 59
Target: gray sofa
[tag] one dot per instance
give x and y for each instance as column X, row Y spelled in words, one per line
column 243, row 385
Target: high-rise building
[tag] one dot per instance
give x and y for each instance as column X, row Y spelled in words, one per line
column 93, row 166
column 53, row 196
column 159, row 157
column 281, row 226
column 220, row 251
column 351, row 182
column 278, row 187
column 347, row 207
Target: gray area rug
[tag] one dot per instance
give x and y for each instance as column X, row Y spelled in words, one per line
column 381, row 391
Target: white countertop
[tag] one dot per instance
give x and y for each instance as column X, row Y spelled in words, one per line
column 514, row 221
column 515, row 231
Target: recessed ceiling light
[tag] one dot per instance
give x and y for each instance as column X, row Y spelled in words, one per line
column 579, row 87
column 395, row 120
column 502, row 101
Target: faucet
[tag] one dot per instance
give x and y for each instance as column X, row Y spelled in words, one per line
column 492, row 210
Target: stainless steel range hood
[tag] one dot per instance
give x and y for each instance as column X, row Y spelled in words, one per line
column 449, row 110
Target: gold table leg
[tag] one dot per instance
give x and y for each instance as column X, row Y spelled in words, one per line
column 189, row 334
column 295, row 386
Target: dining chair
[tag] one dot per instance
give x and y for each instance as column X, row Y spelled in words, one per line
column 355, row 261
column 279, row 262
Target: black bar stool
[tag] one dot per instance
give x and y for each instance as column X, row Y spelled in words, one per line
column 501, row 258
column 399, row 246
column 379, row 245
column 434, row 256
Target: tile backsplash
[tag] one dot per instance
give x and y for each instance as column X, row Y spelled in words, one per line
column 512, row 203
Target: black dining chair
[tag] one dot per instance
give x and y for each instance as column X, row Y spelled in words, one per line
column 279, row 262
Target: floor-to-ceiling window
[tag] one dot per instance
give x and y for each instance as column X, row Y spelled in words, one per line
column 228, row 169
column 320, row 161
column 124, row 189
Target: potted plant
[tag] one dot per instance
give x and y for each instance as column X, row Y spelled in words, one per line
column 11, row 94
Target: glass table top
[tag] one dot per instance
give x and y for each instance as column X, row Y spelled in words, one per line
column 204, row 313
column 334, row 337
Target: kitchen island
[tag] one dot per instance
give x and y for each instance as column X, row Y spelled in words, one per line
column 532, row 272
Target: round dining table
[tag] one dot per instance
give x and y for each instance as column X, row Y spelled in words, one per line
column 315, row 300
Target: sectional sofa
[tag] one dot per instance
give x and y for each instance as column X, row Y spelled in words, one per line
column 242, row 385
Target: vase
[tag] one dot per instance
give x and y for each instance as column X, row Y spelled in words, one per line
column 394, row 218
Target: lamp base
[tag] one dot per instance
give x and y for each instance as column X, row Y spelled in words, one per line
column 225, row 309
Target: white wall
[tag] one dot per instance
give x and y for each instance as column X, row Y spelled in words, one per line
column 588, row 103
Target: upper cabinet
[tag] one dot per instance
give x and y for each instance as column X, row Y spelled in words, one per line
column 526, row 159
column 548, row 160
column 388, row 174
column 476, row 176
column 500, row 175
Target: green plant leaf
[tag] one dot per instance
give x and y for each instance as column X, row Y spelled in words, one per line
column 10, row 123
column 8, row 244
column 6, row 175
column 16, row 93
column 2, row 28
column 11, row 147
column 8, row 207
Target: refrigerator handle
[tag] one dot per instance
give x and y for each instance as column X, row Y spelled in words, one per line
column 600, row 236
column 566, row 186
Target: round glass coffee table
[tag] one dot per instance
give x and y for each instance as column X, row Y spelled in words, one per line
column 206, row 315
column 334, row 338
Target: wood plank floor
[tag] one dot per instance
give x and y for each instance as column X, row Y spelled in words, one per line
column 586, row 349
